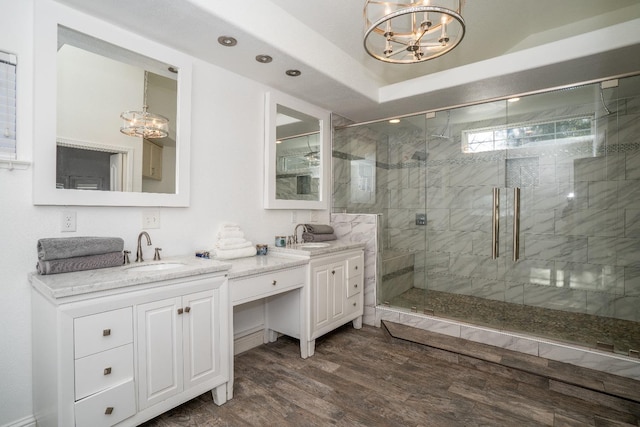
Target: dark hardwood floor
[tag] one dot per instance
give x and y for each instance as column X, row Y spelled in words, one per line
column 367, row 378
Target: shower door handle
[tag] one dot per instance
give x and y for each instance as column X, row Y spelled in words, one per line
column 516, row 224
column 495, row 224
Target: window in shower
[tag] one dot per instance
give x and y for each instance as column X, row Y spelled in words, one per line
column 528, row 134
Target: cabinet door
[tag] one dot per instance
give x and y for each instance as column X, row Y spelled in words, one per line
column 328, row 294
column 201, row 337
column 320, row 296
column 159, row 333
column 151, row 160
column 338, row 291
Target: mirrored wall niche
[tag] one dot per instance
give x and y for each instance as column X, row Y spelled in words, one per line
column 297, row 155
column 102, row 73
column 297, row 143
column 96, row 83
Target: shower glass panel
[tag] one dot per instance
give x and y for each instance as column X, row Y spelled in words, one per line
column 522, row 216
column 464, row 258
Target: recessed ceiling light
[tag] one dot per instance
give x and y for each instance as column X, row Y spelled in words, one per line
column 394, row 121
column 513, row 99
column 293, row 73
column 227, row 41
column 264, row 59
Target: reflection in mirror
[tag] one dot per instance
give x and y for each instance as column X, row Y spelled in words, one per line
column 297, row 155
column 297, row 146
column 96, row 83
column 81, row 109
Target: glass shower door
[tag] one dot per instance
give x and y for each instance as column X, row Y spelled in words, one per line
column 577, row 251
column 466, row 237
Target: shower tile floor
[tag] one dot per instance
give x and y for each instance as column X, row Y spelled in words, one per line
column 575, row 328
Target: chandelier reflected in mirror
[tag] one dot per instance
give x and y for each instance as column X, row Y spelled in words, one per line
column 401, row 32
column 143, row 123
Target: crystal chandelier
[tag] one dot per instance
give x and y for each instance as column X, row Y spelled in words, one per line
column 406, row 33
column 143, row 123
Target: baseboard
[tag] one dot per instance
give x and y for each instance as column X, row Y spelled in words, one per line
column 247, row 342
column 29, row 421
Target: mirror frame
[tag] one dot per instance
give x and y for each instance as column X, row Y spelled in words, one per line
column 272, row 100
column 48, row 15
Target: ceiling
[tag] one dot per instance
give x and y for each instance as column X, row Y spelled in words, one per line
column 510, row 47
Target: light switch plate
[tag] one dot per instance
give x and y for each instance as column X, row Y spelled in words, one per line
column 151, row 219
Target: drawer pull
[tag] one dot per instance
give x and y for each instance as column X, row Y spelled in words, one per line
column 106, row 332
column 354, row 304
column 356, row 267
column 333, row 272
column 355, row 286
column 180, row 311
column 107, row 371
column 275, row 282
column 109, row 410
column 187, row 309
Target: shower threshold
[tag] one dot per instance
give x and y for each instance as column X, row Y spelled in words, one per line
column 581, row 329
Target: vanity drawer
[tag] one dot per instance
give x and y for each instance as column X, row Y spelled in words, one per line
column 255, row 287
column 103, row 370
column 354, row 286
column 108, row 407
column 102, row 331
column 355, row 266
column 354, row 305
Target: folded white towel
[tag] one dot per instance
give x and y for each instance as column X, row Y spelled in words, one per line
column 235, row 253
column 229, row 225
column 240, row 245
column 227, row 234
column 230, row 241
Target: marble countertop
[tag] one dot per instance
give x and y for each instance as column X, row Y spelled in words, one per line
column 259, row 264
column 300, row 250
column 83, row 282
column 63, row 285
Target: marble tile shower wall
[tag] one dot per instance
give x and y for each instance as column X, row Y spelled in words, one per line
column 580, row 220
column 351, row 145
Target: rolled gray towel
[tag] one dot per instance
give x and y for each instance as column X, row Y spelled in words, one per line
column 319, row 228
column 70, row 247
column 309, row 237
column 90, row 262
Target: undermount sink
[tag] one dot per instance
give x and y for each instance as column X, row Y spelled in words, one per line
column 313, row 245
column 155, row 267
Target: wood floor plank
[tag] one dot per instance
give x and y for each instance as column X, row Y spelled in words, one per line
column 361, row 378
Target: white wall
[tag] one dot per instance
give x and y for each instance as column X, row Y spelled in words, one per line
column 226, row 185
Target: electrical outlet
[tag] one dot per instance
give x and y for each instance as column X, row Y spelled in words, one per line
column 294, row 217
column 151, row 219
column 314, row 216
column 68, row 223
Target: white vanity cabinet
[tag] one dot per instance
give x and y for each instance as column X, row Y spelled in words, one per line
column 177, row 343
column 336, row 293
column 123, row 356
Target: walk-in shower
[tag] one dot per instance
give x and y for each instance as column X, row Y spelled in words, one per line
column 521, row 216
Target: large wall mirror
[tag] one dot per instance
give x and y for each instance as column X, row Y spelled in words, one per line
column 88, row 73
column 296, row 154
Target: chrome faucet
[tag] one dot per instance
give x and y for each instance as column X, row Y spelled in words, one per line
column 139, row 251
column 295, row 234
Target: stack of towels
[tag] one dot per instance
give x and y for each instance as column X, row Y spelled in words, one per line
column 67, row 254
column 318, row 233
column 231, row 243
